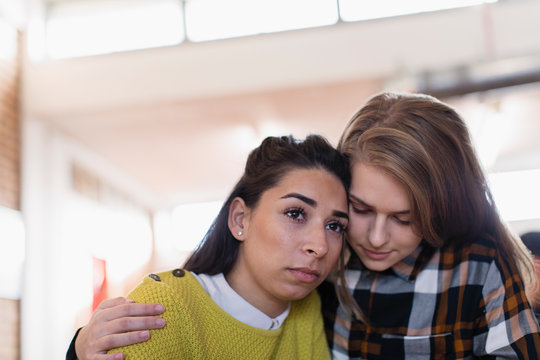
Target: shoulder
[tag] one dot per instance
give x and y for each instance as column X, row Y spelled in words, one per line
column 167, row 284
column 478, row 251
column 174, row 289
column 172, row 277
column 478, row 262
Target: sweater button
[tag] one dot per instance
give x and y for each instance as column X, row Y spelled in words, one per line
column 154, row 277
column 178, row 272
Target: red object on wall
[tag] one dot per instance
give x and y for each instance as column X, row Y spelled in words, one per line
column 100, row 282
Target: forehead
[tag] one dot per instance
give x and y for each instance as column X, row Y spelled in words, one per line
column 317, row 184
column 377, row 188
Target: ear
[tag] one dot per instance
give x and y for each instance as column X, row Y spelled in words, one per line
column 238, row 218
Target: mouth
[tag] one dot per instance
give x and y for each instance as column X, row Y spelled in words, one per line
column 305, row 274
column 376, row 255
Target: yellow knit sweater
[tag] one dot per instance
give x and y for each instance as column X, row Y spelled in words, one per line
column 197, row 328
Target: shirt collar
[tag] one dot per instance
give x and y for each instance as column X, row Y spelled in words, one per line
column 405, row 268
column 233, row 304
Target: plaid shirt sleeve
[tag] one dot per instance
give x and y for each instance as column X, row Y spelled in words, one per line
column 449, row 304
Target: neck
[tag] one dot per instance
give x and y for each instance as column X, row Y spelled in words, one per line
column 242, row 284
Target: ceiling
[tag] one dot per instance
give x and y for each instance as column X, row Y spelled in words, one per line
column 180, row 121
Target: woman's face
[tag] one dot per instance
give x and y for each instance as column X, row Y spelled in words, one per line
column 380, row 231
column 292, row 238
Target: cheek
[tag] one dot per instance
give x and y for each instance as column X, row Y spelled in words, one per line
column 357, row 227
column 331, row 258
column 334, row 248
column 408, row 239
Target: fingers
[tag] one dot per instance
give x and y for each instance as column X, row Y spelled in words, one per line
column 125, row 324
column 118, row 340
column 108, row 303
column 117, row 322
column 129, row 310
column 115, row 356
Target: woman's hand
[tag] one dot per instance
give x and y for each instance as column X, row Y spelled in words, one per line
column 117, row 322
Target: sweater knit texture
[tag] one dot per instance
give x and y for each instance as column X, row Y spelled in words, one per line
column 197, row 328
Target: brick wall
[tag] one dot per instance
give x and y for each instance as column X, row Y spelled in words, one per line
column 9, row 123
column 9, row 329
column 10, row 154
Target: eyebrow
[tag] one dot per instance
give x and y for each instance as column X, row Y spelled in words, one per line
column 358, row 200
column 301, row 197
column 340, row 214
column 314, row 204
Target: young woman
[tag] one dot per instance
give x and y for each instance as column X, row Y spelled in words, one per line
column 430, row 270
column 433, row 272
column 248, row 292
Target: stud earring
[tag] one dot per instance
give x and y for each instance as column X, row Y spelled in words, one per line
column 239, row 233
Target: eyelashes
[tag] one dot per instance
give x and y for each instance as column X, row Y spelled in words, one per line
column 298, row 214
column 337, row 227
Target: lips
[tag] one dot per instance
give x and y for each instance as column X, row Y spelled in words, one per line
column 305, row 274
column 377, row 255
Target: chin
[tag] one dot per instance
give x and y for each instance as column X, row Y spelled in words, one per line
column 376, row 266
column 297, row 293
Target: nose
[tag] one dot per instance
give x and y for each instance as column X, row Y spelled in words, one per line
column 377, row 235
column 316, row 243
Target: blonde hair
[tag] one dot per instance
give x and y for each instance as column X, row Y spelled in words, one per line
column 425, row 144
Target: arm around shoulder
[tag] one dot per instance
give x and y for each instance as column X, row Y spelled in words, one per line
column 154, row 291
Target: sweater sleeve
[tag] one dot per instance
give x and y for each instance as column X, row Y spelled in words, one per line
column 71, row 354
column 508, row 327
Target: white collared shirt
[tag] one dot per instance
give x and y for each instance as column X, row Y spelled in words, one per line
column 221, row 292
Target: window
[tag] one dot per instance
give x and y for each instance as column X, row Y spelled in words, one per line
column 81, row 28
column 516, row 194
column 355, row 10
column 84, row 27
column 217, row 19
column 12, row 253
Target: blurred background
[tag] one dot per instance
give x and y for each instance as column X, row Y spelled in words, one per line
column 124, row 123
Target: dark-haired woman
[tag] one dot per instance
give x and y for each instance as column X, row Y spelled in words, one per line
column 247, row 292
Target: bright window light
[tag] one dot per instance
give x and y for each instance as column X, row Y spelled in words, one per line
column 81, row 28
column 12, row 252
column 355, row 10
column 190, row 222
column 8, row 42
column 517, row 194
column 121, row 237
column 217, row 19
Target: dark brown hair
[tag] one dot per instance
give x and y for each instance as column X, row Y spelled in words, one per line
column 265, row 167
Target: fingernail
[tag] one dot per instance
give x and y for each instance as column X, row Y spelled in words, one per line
column 160, row 322
column 144, row 335
column 160, row 308
column 130, row 301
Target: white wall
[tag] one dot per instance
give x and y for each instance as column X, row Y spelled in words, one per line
column 58, row 265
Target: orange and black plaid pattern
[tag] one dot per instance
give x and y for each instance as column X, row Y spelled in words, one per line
column 451, row 303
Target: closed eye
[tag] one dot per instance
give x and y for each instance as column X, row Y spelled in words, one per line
column 401, row 221
column 360, row 210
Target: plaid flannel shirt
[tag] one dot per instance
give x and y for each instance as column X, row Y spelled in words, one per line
column 451, row 303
